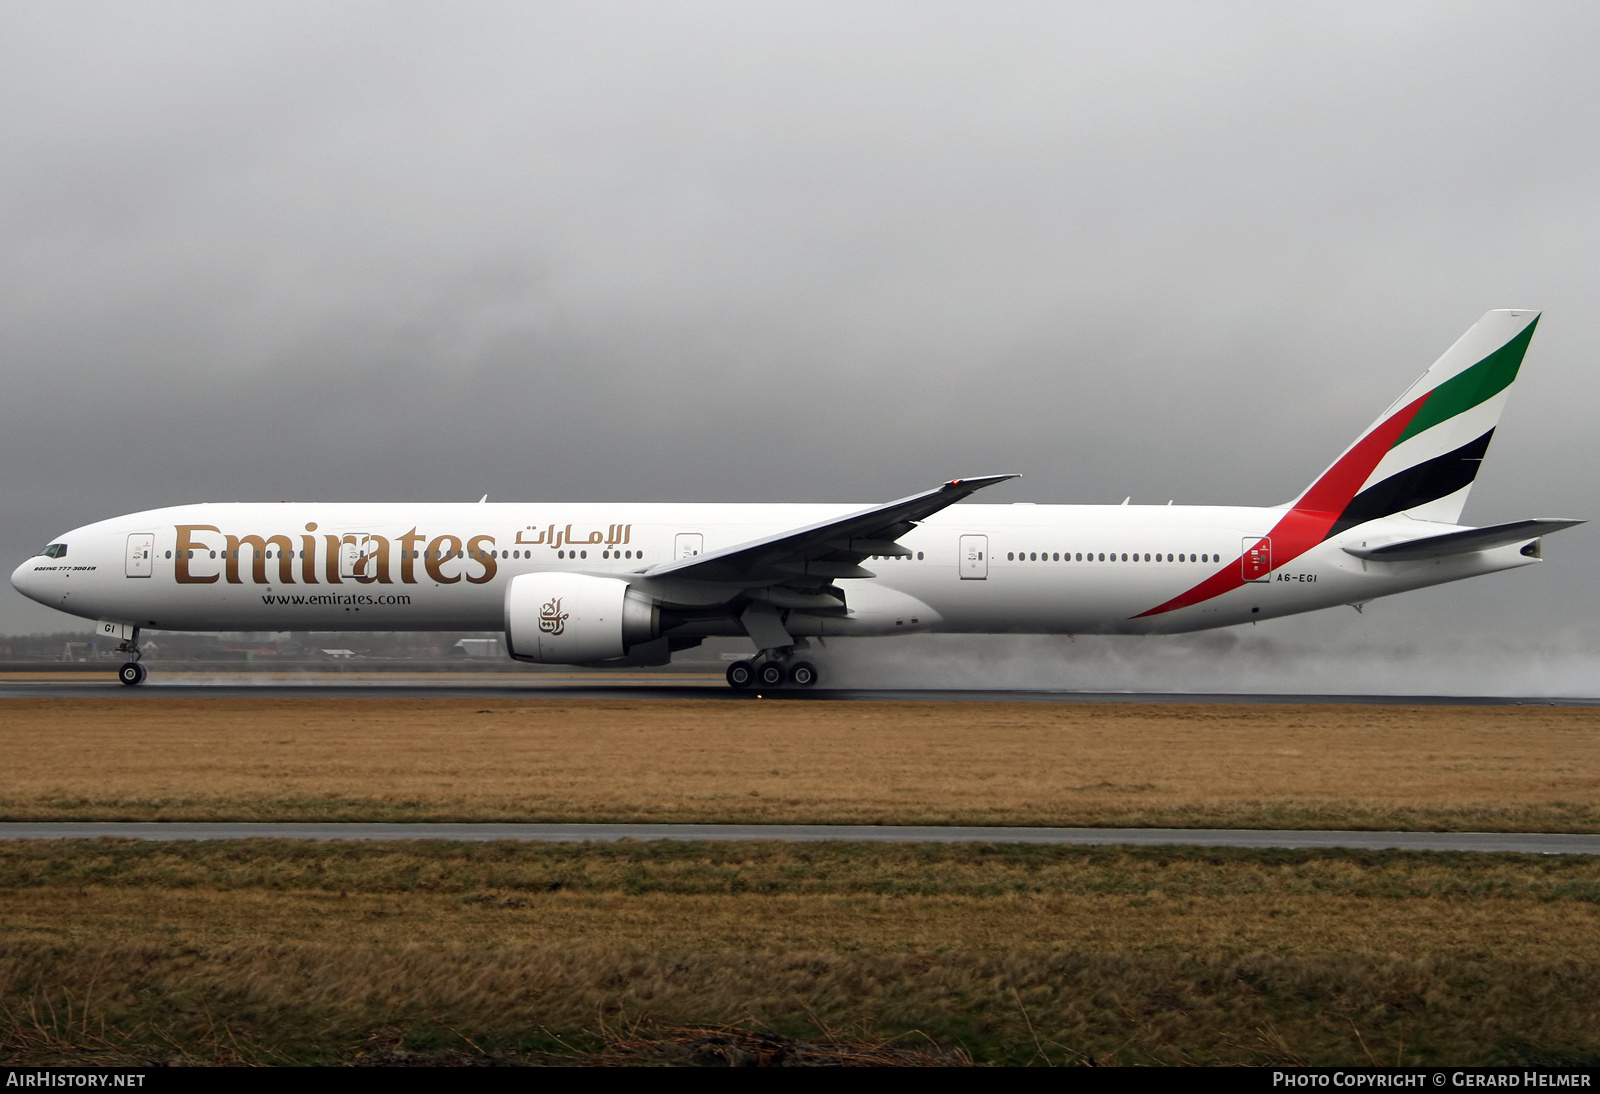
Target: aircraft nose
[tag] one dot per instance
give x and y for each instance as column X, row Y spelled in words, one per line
column 25, row 581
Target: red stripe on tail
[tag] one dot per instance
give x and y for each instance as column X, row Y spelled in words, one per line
column 1308, row 523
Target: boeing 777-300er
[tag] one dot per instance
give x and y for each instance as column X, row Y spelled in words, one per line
column 631, row 584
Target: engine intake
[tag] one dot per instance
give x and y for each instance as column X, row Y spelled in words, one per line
column 573, row 619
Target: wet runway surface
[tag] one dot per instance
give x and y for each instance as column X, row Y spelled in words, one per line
column 654, row 686
column 1512, row 842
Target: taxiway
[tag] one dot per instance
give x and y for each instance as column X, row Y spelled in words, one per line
column 1539, row 843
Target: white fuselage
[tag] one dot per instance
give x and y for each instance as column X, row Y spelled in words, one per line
column 1029, row 569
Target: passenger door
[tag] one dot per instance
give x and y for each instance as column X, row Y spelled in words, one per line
column 141, row 551
column 974, row 551
column 356, row 549
column 1256, row 558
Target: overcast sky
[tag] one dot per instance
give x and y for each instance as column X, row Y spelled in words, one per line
column 790, row 252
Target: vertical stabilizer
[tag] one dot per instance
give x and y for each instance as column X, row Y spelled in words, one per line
column 1421, row 457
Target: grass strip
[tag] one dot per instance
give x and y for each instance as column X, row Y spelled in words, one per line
column 290, row 952
column 561, row 759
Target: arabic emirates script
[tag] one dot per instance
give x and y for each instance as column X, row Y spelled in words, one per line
column 552, row 620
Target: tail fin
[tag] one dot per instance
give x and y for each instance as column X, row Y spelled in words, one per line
column 1421, row 457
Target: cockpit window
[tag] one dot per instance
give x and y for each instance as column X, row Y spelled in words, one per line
column 55, row 550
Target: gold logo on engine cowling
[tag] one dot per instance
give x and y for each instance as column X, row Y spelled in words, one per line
column 552, row 620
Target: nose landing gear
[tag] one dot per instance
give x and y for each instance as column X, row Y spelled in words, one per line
column 131, row 674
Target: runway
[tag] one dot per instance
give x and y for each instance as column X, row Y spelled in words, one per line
column 661, row 686
column 1536, row 843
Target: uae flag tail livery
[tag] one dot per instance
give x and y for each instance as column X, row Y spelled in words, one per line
column 632, row 584
column 1422, row 455
column 1419, row 459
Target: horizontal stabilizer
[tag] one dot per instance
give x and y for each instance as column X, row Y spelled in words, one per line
column 1463, row 542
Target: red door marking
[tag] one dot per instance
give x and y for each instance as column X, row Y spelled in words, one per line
column 1256, row 560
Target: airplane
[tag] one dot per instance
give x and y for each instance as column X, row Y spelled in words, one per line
column 630, row 585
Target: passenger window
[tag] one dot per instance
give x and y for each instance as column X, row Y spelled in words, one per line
column 1011, row 556
column 1056, row 557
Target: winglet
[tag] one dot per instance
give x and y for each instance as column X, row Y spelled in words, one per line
column 974, row 484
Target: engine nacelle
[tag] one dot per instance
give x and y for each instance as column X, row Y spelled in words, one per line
column 573, row 619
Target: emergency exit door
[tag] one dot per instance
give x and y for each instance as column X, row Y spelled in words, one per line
column 1256, row 558
column 687, row 544
column 974, row 558
column 141, row 546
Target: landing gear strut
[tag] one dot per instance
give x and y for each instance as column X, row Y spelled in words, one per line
column 771, row 669
column 131, row 673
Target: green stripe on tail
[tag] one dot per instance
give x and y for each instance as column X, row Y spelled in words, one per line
column 1484, row 380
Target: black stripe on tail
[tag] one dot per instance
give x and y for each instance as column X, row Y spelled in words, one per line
column 1428, row 481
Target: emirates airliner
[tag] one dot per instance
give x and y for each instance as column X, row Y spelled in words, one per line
column 630, row 585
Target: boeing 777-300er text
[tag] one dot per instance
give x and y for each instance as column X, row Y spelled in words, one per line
column 631, row 584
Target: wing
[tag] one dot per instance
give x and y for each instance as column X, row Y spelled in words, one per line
column 818, row 553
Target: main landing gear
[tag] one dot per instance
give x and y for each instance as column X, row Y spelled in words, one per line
column 771, row 669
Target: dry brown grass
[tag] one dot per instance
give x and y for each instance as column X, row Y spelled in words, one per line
column 278, row 952
column 1496, row 768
